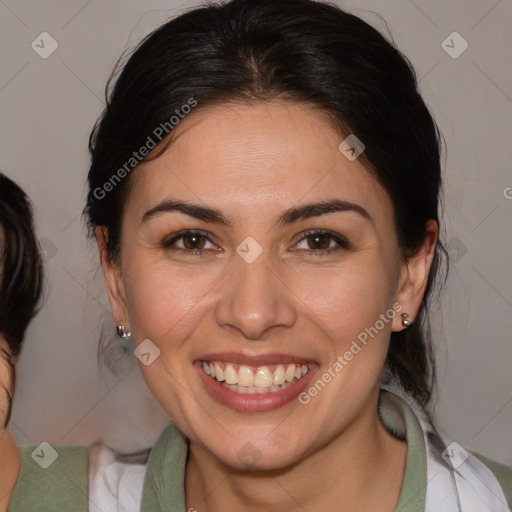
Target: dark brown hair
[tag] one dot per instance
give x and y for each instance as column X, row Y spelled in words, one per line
column 21, row 272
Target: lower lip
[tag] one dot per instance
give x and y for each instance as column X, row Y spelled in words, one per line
column 257, row 402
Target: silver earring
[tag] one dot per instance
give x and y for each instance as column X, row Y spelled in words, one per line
column 405, row 322
column 121, row 332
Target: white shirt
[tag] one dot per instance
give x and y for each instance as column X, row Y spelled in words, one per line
column 114, row 485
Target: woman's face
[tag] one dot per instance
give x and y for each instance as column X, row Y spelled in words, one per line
column 5, row 372
column 267, row 286
column 5, row 381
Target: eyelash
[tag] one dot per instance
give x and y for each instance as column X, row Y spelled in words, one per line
column 342, row 243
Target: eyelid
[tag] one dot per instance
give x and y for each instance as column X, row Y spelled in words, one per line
column 342, row 242
column 339, row 239
column 172, row 239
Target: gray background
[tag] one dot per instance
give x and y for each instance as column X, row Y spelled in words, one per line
column 48, row 107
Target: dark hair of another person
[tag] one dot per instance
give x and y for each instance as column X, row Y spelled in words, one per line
column 298, row 51
column 21, row 272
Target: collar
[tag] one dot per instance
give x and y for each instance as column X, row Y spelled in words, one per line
column 456, row 480
column 471, row 487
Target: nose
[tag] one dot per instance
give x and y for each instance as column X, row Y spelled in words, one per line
column 255, row 300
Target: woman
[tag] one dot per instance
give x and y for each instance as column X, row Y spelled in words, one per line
column 264, row 191
column 34, row 477
column 21, row 274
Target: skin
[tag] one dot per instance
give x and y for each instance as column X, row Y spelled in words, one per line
column 253, row 162
column 10, row 454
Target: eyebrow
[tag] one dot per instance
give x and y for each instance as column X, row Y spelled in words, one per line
column 290, row 216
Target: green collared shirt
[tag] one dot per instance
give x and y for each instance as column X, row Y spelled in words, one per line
column 51, row 478
column 62, row 486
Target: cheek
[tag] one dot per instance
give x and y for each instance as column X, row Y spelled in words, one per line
column 166, row 305
column 5, row 384
column 347, row 299
column 164, row 302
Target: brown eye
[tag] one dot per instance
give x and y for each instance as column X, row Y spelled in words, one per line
column 321, row 242
column 189, row 242
column 193, row 241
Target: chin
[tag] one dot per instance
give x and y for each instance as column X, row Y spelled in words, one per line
column 257, row 456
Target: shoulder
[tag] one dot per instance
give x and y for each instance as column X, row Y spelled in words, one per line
column 51, row 478
column 77, row 479
column 503, row 474
column 479, row 478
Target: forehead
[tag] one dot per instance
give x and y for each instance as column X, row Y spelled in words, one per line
column 253, row 159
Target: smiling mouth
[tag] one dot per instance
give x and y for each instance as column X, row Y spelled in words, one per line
column 252, row 380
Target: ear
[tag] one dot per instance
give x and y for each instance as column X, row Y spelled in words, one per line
column 414, row 277
column 113, row 280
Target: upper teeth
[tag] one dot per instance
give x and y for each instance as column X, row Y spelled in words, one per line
column 261, row 377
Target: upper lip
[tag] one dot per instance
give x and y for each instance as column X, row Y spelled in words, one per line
column 255, row 359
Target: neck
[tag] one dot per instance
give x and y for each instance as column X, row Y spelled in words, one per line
column 360, row 469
